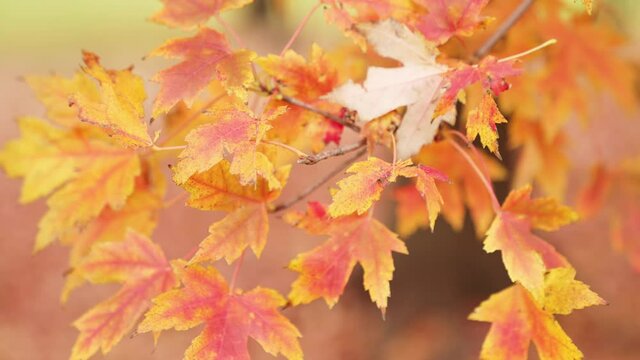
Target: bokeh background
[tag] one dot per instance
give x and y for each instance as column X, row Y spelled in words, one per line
column 434, row 289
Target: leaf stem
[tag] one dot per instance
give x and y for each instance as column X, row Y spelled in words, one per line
column 287, row 204
column 339, row 151
column 301, row 154
column 191, row 118
column 503, row 29
column 236, row 270
column 532, row 50
column 394, row 149
column 487, row 184
column 301, row 26
column 167, row 148
column 236, row 38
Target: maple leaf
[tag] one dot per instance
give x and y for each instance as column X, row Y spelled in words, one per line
column 230, row 318
column 205, row 57
column 324, row 271
column 142, row 268
column 90, row 173
column 411, row 214
column 55, row 91
column 235, row 134
column 415, row 85
column 517, row 319
column 482, row 121
column 119, row 109
column 306, row 80
column 187, row 14
column 490, row 72
column 139, row 213
column 451, row 18
column 358, row 192
column 526, row 256
column 247, row 223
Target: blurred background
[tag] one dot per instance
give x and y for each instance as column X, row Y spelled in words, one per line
column 434, row 289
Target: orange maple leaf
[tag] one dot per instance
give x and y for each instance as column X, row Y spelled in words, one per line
column 464, row 186
column 119, row 108
column 230, row 317
column 450, row 18
column 235, row 135
column 324, row 271
column 526, row 256
column 247, row 223
column 358, row 192
column 482, row 121
column 187, row 14
column 517, row 319
column 141, row 267
column 205, row 57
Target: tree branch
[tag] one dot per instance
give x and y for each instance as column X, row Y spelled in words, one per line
column 287, row 204
column 503, row 29
column 316, row 158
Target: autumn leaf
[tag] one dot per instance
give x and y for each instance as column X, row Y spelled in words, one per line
column 526, row 256
column 119, row 109
column 306, row 80
column 187, row 14
column 247, row 223
column 141, row 267
column 464, row 187
column 491, row 73
column 324, row 271
column 139, row 213
column 415, row 85
column 358, row 192
column 55, row 91
column 230, row 317
column 235, row 135
column 206, row 56
column 482, row 121
column 411, row 214
column 446, row 19
column 517, row 319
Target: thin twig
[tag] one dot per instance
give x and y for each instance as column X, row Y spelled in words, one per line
column 301, row 26
column 299, row 103
column 339, row 151
column 503, row 29
column 487, row 184
column 287, row 204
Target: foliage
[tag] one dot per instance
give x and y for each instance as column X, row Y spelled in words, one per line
column 242, row 122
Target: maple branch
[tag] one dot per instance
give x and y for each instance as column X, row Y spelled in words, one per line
column 487, row 184
column 301, row 26
column 344, row 121
column 314, row 187
column 503, row 29
column 339, row 151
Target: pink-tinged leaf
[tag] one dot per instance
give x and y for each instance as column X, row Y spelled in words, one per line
column 144, row 271
column 448, row 18
column 324, row 271
column 229, row 318
column 206, row 56
column 235, row 136
column 187, row 14
column 229, row 237
column 490, row 72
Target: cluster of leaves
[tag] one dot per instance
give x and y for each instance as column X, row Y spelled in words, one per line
column 240, row 121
